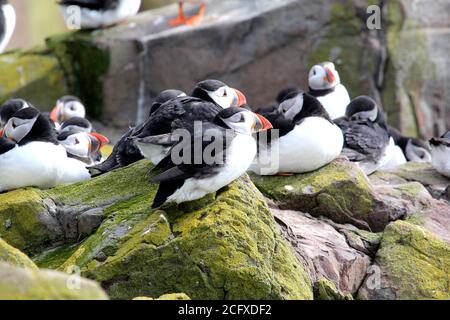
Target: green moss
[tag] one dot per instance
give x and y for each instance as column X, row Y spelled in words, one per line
column 325, row 289
column 23, row 221
column 84, row 63
column 229, row 249
column 54, row 258
column 339, row 191
column 32, row 284
column 416, row 263
column 13, row 256
column 35, row 76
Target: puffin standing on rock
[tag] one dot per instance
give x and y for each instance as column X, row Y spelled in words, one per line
column 208, row 99
column 7, row 23
column 440, row 154
column 307, row 140
column 366, row 138
column 325, row 85
column 125, row 152
column 193, row 179
column 32, row 156
column 100, row 13
column 182, row 19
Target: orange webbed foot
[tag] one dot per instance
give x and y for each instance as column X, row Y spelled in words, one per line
column 285, row 174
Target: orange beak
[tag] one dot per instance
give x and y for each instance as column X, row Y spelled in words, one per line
column 2, row 132
column 262, row 124
column 330, row 75
column 54, row 114
column 242, row 100
column 103, row 140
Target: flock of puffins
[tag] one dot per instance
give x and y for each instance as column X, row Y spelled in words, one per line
column 301, row 132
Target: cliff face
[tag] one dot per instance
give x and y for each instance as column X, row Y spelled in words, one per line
column 259, row 46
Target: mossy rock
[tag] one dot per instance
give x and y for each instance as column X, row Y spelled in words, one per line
column 339, row 191
column 31, row 284
column 35, row 76
column 228, row 247
column 14, row 257
column 411, row 264
column 325, row 289
column 169, row 296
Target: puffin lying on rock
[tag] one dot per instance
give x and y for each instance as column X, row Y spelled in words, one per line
column 414, row 149
column 366, row 138
column 440, row 154
column 198, row 176
column 100, row 13
column 31, row 155
column 307, row 138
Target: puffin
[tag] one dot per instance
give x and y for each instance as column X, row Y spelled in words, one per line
column 7, row 23
column 413, row 149
column 83, row 146
column 67, row 107
column 125, row 152
column 208, row 98
column 325, row 84
column 100, row 13
column 440, row 154
column 366, row 137
column 76, row 124
column 305, row 139
column 211, row 158
column 36, row 158
column 182, row 19
column 9, row 108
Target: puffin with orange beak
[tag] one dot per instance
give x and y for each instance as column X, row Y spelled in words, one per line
column 67, row 107
column 192, row 20
column 208, row 98
column 325, row 85
column 230, row 135
column 83, row 146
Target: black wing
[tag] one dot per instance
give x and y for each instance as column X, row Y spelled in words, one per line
column 92, row 4
column 363, row 140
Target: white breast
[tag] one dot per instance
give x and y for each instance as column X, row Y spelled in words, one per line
column 393, row 156
column 10, row 19
column 311, row 145
column 39, row 164
column 440, row 159
column 154, row 153
column 96, row 19
column 240, row 155
column 336, row 102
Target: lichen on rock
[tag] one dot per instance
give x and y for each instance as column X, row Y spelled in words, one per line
column 11, row 255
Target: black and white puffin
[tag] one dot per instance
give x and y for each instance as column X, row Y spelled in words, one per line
column 125, row 152
column 76, row 124
column 413, row 149
column 440, row 154
column 67, row 107
column 100, row 13
column 366, row 138
column 182, row 19
column 208, row 98
column 325, row 85
column 203, row 169
column 307, row 137
column 7, row 23
column 9, row 108
column 37, row 159
column 83, row 146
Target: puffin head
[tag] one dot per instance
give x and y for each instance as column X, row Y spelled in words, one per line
column 165, row 96
column 364, row 108
column 21, row 123
column 66, row 108
column 242, row 120
column 9, row 108
column 417, row 150
column 298, row 105
column 82, row 144
column 323, row 76
column 219, row 93
column 76, row 124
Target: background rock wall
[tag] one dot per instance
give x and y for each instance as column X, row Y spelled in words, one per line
column 262, row 46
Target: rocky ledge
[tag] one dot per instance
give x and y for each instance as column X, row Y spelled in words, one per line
column 331, row 234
